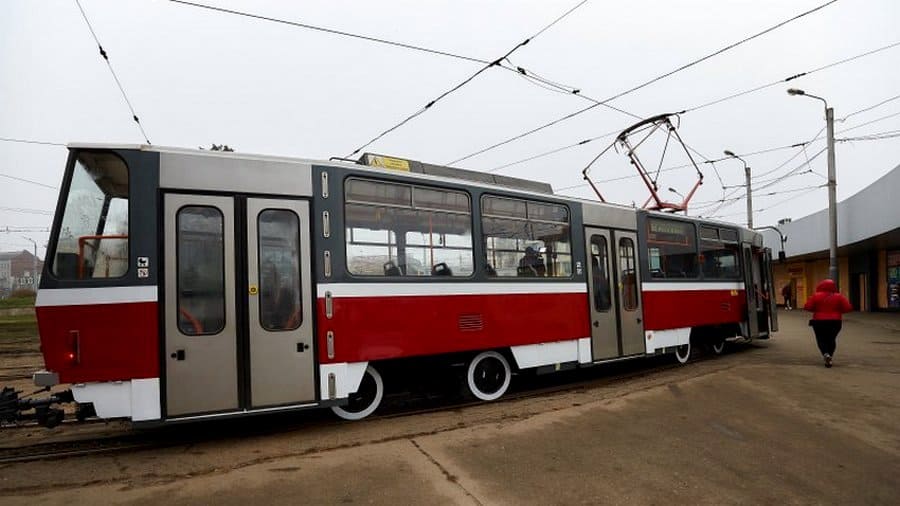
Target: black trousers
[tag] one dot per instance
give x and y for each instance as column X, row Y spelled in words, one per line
column 826, row 334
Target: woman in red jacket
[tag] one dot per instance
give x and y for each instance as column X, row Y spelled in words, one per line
column 827, row 306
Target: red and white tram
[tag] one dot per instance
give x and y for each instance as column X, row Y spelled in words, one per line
column 187, row 285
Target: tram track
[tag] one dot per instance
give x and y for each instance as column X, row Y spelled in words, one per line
column 174, row 436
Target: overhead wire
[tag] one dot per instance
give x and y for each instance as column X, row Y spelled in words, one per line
column 31, row 141
column 25, row 210
column 707, row 104
column 112, row 71
column 332, row 31
column 469, row 79
column 642, row 85
column 23, row 180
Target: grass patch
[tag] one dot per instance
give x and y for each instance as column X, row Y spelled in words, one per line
column 18, row 327
column 17, row 302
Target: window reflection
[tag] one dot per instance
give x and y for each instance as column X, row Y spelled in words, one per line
column 279, row 270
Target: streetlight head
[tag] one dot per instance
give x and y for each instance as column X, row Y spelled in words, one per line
column 729, row 153
column 795, row 91
column 673, row 190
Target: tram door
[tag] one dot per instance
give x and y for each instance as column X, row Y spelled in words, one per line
column 752, row 289
column 238, row 316
column 613, row 289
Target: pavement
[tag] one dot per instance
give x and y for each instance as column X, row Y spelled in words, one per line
column 763, row 425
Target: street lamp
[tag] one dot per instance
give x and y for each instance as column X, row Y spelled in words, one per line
column 832, row 187
column 749, row 195
column 34, row 276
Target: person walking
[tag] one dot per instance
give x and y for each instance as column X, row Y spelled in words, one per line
column 827, row 306
column 786, row 293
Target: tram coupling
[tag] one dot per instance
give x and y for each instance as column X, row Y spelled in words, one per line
column 17, row 408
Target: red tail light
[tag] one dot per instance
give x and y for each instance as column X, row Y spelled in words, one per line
column 74, row 354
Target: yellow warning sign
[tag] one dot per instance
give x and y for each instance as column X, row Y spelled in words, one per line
column 386, row 162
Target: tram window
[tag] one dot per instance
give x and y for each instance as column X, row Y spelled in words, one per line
column 200, row 261
column 93, row 236
column 628, row 274
column 718, row 259
column 600, row 273
column 430, row 234
column 279, row 270
column 526, row 239
column 672, row 249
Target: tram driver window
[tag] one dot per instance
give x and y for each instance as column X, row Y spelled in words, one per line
column 672, row 249
column 395, row 229
column 93, row 236
column 526, row 239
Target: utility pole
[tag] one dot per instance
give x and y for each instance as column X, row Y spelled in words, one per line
column 832, row 189
column 832, row 200
column 747, row 184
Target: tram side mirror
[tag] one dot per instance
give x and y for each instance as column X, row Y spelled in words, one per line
column 781, row 257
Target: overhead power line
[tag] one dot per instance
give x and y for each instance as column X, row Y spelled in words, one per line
column 644, row 84
column 25, row 210
column 469, row 79
column 112, row 71
column 31, row 141
column 333, row 31
column 23, row 180
column 707, row 104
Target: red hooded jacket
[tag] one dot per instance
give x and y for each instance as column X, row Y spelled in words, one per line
column 827, row 303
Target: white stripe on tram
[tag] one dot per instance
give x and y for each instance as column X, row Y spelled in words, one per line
column 89, row 296
column 690, row 286
column 463, row 288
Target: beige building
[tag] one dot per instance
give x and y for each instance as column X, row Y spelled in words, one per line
column 868, row 248
column 17, row 271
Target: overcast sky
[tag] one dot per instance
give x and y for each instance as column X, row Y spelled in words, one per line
column 197, row 77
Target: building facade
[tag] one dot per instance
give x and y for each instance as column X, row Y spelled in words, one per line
column 17, row 271
column 868, row 248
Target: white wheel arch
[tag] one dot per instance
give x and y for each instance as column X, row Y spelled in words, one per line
column 471, row 379
column 718, row 347
column 683, row 353
column 372, row 406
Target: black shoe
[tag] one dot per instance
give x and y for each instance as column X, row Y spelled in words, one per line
column 827, row 360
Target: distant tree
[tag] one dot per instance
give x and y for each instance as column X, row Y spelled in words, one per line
column 219, row 147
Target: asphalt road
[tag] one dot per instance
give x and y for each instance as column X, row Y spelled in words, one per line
column 769, row 424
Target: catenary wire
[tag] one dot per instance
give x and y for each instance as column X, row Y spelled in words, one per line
column 31, row 141
column 332, row 31
column 112, row 71
column 469, row 79
column 642, row 85
column 707, row 104
column 23, row 180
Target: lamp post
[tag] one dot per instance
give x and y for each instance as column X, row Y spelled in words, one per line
column 749, row 194
column 34, row 276
column 832, row 187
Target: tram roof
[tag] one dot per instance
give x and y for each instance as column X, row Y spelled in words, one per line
column 419, row 169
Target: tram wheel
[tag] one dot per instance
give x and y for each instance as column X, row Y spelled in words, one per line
column 683, row 353
column 488, row 376
column 718, row 346
column 365, row 400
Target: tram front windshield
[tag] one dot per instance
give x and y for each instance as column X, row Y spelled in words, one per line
column 93, row 233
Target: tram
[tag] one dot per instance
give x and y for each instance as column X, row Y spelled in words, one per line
column 189, row 285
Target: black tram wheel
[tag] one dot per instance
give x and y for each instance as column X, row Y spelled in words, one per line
column 365, row 400
column 488, row 376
